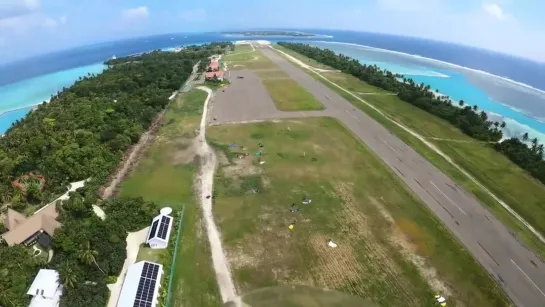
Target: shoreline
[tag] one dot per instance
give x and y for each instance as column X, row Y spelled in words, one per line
column 503, row 78
column 31, row 107
column 519, row 118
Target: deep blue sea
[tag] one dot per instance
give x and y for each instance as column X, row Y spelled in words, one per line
column 508, row 88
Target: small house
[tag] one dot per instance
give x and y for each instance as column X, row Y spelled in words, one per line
column 46, row 291
column 159, row 232
column 39, row 227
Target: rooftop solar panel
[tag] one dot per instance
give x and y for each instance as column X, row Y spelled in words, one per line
column 146, row 285
column 153, row 229
column 163, row 228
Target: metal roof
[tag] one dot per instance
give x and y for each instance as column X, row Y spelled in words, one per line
column 141, row 285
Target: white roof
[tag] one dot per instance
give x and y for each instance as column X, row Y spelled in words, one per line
column 155, row 236
column 131, row 281
column 45, row 284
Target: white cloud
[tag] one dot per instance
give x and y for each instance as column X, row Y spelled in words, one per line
column 25, row 22
column 12, row 23
column 14, row 8
column 195, row 15
column 140, row 12
column 494, row 10
column 49, row 22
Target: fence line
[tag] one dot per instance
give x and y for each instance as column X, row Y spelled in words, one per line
column 174, row 258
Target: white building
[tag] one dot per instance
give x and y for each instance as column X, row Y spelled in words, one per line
column 159, row 232
column 45, row 289
column 141, row 285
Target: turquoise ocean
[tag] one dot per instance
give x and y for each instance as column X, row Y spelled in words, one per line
column 521, row 106
column 508, row 89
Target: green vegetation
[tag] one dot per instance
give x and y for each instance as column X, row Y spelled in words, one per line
column 241, row 48
column 90, row 249
column 166, row 176
column 83, row 133
column 272, row 74
column 505, row 179
column 465, row 117
column 288, row 95
column 242, row 58
column 391, row 248
column 85, row 129
column 18, row 270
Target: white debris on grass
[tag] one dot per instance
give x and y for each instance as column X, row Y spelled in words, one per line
column 331, row 244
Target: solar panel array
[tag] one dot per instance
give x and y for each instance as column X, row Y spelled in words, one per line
column 146, row 285
column 153, row 229
column 163, row 228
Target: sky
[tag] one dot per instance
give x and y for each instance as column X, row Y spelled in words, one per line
column 31, row 27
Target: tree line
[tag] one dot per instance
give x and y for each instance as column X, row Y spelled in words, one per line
column 82, row 133
column 84, row 130
column 467, row 118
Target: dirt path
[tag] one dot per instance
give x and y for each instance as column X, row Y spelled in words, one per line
column 458, row 141
column 134, row 240
column 206, row 180
column 129, row 160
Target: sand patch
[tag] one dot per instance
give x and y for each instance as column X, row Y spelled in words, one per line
column 185, row 152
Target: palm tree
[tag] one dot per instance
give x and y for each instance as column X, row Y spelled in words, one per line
column 88, row 256
column 503, row 125
column 461, row 103
column 525, row 137
column 484, row 117
column 67, row 275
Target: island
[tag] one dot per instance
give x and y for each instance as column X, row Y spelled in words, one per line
column 271, row 33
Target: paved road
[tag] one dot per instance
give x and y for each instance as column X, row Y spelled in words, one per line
column 516, row 268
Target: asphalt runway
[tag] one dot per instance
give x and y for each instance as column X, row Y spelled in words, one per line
column 517, row 269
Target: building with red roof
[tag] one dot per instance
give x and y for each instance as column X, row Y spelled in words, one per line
column 211, row 75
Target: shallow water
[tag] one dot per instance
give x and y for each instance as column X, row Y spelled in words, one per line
column 522, row 107
column 500, row 98
column 17, row 99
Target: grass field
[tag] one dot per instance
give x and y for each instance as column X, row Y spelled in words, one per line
column 391, row 248
column 165, row 176
column 288, row 95
column 243, row 58
column 505, row 179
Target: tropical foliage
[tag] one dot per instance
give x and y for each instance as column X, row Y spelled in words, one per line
column 83, row 133
column 467, row 118
column 85, row 129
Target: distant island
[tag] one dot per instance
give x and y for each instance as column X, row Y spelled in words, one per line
column 271, row 33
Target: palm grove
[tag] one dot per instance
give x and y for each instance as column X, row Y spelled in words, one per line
column 83, row 133
column 467, row 118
